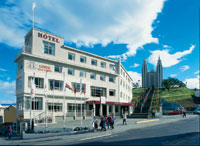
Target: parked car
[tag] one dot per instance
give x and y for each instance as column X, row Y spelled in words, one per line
column 174, row 112
column 197, row 111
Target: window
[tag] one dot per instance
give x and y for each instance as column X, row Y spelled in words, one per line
column 121, row 72
column 20, row 103
column 121, row 82
column 56, row 85
column 83, row 59
column 70, row 71
column 37, row 103
column 71, row 56
column 112, row 92
column 121, row 94
column 20, row 65
column 58, row 69
column 103, row 64
column 56, row 107
column 98, row 91
column 49, row 48
column 71, row 107
column 19, row 83
column 92, row 75
column 78, row 86
column 112, row 66
column 111, row 79
column 102, row 77
column 39, row 82
column 94, row 62
column 82, row 73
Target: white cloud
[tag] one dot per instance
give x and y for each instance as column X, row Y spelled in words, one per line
column 7, row 87
column 135, row 65
column 184, row 68
column 197, row 72
column 2, row 69
column 167, row 58
column 192, row 82
column 7, row 101
column 85, row 22
column 166, row 46
column 173, row 75
column 136, row 77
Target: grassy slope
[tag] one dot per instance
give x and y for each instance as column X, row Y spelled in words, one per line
column 182, row 96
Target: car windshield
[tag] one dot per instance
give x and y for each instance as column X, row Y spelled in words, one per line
column 198, row 108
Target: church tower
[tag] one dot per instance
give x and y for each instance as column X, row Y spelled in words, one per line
column 159, row 72
column 144, row 74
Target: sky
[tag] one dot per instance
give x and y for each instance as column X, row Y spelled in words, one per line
column 131, row 29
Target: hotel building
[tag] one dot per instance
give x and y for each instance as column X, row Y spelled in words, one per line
column 106, row 85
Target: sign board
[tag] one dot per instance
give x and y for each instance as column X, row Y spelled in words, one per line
column 103, row 100
column 21, row 116
column 44, row 68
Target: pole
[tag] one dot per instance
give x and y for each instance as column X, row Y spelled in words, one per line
column 64, row 89
column 53, row 101
column 81, row 102
column 34, row 99
column 45, row 92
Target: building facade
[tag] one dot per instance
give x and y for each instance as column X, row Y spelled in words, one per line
column 152, row 78
column 106, row 85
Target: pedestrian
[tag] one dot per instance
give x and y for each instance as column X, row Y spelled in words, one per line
column 108, row 121
column 9, row 132
column 153, row 114
column 124, row 118
column 184, row 114
column 112, row 121
column 95, row 121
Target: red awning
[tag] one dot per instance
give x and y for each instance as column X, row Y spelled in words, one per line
column 109, row 102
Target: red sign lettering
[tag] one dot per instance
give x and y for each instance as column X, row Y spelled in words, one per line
column 46, row 36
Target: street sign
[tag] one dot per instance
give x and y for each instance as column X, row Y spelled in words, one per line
column 21, row 116
column 103, row 100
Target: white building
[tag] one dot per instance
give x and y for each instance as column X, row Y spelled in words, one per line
column 106, row 84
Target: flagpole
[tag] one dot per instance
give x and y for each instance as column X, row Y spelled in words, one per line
column 31, row 104
column 53, row 100
column 46, row 102
column 81, row 102
column 64, row 82
column 34, row 99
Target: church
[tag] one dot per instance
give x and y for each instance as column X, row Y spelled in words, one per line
column 152, row 78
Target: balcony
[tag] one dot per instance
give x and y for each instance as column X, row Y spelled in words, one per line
column 25, row 49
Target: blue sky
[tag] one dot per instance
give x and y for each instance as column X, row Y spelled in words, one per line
column 132, row 29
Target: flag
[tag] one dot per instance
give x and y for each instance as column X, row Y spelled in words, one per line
column 64, row 82
column 34, row 5
column 80, row 86
column 84, row 88
column 45, row 85
column 68, row 86
column 75, row 88
column 32, row 88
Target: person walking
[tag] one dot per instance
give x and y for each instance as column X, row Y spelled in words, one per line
column 108, row 121
column 184, row 114
column 112, row 121
column 9, row 132
column 124, row 118
column 95, row 121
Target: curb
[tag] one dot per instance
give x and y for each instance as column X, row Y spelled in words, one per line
column 145, row 121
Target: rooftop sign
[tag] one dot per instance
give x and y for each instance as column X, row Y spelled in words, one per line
column 48, row 37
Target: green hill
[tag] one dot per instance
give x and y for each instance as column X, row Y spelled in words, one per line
column 182, row 95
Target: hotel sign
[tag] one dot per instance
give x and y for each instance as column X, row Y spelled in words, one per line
column 44, row 68
column 48, row 37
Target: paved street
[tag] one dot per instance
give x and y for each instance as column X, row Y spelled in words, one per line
column 169, row 130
